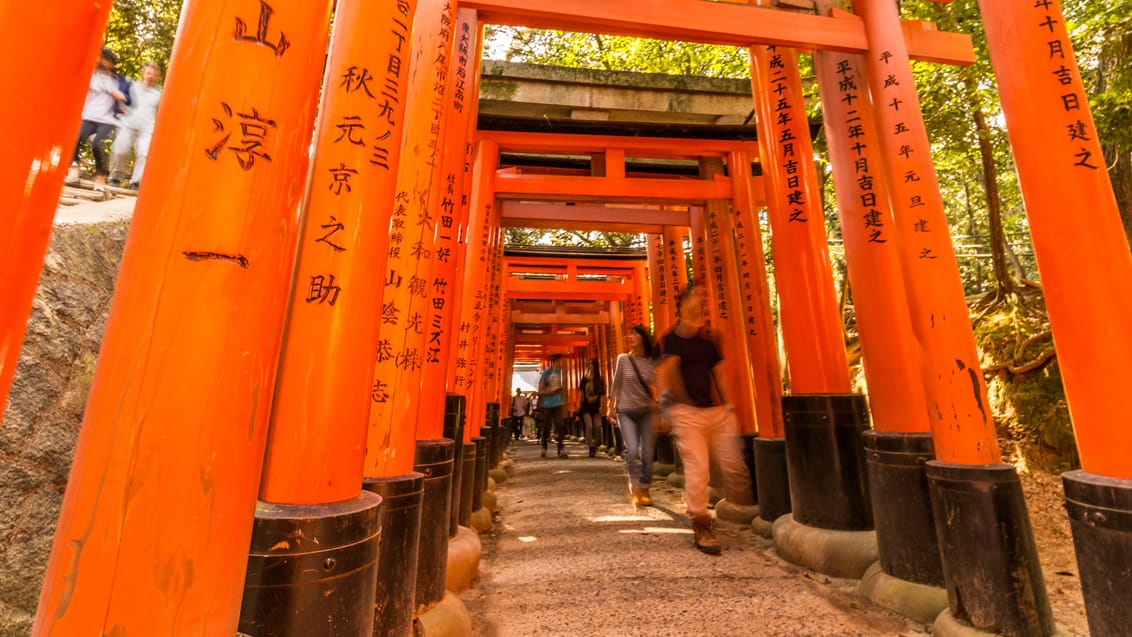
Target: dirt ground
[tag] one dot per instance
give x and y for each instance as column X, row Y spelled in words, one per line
column 569, row 556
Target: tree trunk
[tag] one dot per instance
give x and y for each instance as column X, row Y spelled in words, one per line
column 1002, row 280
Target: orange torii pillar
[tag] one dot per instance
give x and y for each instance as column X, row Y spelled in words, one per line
column 823, row 420
column 1086, row 274
column 677, row 263
column 312, row 506
column 444, row 289
column 464, row 372
column 168, row 461
column 723, row 279
column 698, row 217
column 36, row 156
column 772, row 483
column 489, row 396
column 658, row 279
column 403, row 345
column 990, row 564
column 901, row 441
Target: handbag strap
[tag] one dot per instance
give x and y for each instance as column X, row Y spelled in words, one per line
column 640, row 380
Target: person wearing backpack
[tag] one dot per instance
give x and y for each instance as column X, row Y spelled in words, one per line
column 631, row 399
column 592, row 391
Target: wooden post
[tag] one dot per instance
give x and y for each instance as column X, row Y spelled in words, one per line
column 168, row 462
column 36, row 157
column 962, row 427
column 402, row 351
column 723, row 280
column 1084, row 262
column 677, row 260
column 762, row 337
column 811, row 326
column 658, row 279
column 324, row 392
column 452, row 215
column 872, row 252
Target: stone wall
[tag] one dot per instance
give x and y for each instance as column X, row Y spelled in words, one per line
column 41, row 421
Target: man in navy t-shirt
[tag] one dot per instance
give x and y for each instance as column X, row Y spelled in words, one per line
column 702, row 421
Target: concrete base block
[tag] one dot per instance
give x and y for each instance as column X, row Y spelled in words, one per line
column 837, row 553
column 499, row 475
column 464, row 551
column 946, row 625
column 490, row 484
column 674, row 480
column 763, row 527
column 508, row 465
column 490, row 501
column 741, row 514
column 602, row 449
column 480, row 520
column 661, row 470
column 449, row 618
column 921, row 602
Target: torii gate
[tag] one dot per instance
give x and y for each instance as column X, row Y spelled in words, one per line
column 185, row 381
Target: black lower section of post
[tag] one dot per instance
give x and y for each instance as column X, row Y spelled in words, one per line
column 772, row 478
column 480, row 482
column 397, row 558
column 990, row 561
column 902, row 506
column 467, row 483
column 454, row 431
column 1100, row 515
column 312, row 569
column 487, row 432
column 749, row 458
column 434, row 461
column 828, row 482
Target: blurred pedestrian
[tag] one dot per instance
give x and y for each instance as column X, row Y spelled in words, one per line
column 101, row 105
column 551, row 403
column 592, row 391
column 631, row 394
column 135, row 128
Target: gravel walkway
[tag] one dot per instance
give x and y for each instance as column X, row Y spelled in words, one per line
column 569, row 556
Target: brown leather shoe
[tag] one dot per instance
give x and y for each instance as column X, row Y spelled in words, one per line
column 705, row 539
column 643, row 497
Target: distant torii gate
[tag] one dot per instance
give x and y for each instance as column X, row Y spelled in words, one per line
column 168, row 465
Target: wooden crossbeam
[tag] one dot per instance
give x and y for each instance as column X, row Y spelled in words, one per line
column 525, row 214
column 509, row 185
column 716, row 23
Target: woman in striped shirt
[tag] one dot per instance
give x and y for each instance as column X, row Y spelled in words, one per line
column 631, row 398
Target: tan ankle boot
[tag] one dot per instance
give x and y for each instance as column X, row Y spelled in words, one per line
column 705, row 539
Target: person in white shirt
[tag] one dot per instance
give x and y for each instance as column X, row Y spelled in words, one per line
column 98, row 118
column 519, row 406
column 135, row 128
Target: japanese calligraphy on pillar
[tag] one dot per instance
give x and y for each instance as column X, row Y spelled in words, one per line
column 1075, row 124
column 869, row 205
column 788, row 121
column 747, row 288
column 362, row 108
column 716, row 265
column 658, row 275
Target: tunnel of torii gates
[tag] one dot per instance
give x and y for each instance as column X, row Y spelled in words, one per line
column 238, row 401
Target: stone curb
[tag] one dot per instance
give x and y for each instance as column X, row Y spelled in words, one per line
column 921, row 602
column 845, row 554
column 464, row 552
column 449, row 618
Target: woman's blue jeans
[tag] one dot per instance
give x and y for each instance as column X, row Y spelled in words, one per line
column 639, row 433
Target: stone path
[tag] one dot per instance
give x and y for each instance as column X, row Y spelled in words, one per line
column 569, row 556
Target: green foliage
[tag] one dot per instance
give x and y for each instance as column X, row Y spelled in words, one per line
column 141, row 31
column 594, row 239
column 615, row 53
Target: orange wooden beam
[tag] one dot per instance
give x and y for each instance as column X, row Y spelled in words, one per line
column 568, row 188
column 714, row 23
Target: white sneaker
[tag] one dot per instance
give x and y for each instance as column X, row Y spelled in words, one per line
column 72, row 175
